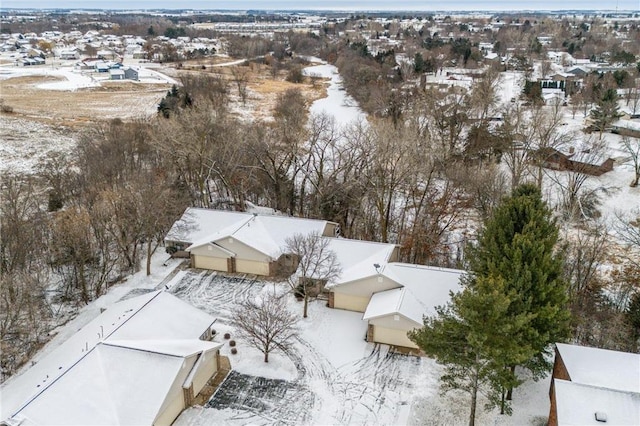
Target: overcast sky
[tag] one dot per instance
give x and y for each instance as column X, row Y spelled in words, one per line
column 330, row 4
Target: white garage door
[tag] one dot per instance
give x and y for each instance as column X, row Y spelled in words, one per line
column 252, row 267
column 349, row 302
column 212, row 263
column 392, row 336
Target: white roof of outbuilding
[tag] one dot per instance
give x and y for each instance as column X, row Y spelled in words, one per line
column 156, row 324
column 601, row 367
column 424, row 288
column 577, row 404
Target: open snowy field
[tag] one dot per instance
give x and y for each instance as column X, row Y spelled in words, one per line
column 24, row 144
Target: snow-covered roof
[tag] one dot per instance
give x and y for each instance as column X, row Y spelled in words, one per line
column 357, row 258
column 156, row 324
column 197, row 224
column 601, row 367
column 265, row 233
column 577, row 404
column 268, row 234
column 423, row 288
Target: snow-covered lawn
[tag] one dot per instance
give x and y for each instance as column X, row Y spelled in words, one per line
column 332, row 375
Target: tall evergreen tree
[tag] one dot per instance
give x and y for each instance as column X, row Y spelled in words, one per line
column 606, row 111
column 472, row 338
column 517, row 245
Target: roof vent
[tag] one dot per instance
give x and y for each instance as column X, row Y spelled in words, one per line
column 601, row 417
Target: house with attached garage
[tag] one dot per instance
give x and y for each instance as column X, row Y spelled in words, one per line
column 142, row 361
column 230, row 241
column 392, row 296
column 591, row 386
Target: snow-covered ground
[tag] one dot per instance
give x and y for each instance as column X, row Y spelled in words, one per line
column 332, row 376
column 73, row 79
column 24, row 144
column 338, row 103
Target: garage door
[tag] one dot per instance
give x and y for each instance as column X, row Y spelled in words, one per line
column 349, row 302
column 392, row 336
column 252, row 267
column 212, row 263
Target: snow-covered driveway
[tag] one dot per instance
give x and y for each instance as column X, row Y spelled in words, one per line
column 332, row 376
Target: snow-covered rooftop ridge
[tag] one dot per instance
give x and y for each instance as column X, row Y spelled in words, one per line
column 423, row 288
column 105, row 387
column 154, row 316
column 198, row 223
column 601, row 367
column 265, row 233
column 578, row 403
column 358, row 259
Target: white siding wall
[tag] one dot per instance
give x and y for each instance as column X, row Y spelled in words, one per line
column 207, row 368
column 242, row 251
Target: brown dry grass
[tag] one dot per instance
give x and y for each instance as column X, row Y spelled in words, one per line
column 126, row 100
column 130, row 100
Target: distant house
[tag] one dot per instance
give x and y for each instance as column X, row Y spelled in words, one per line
column 130, row 74
column 591, row 386
column 141, row 362
column 231, row 241
column 116, row 74
column 101, row 66
column 581, row 162
column 627, row 127
column 69, row 54
column 28, row 62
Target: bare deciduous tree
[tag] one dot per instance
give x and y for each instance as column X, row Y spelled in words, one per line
column 267, row 324
column 240, row 78
column 632, row 147
column 317, row 265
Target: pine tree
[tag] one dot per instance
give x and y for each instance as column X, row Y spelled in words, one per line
column 472, row 338
column 606, row 111
column 517, row 245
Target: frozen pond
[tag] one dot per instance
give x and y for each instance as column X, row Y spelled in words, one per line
column 338, row 103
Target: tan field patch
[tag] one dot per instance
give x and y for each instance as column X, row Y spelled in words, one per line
column 30, row 80
column 114, row 100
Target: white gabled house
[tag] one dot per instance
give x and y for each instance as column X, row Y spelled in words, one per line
column 360, row 262
column 241, row 242
column 142, row 361
column 393, row 296
column 392, row 313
